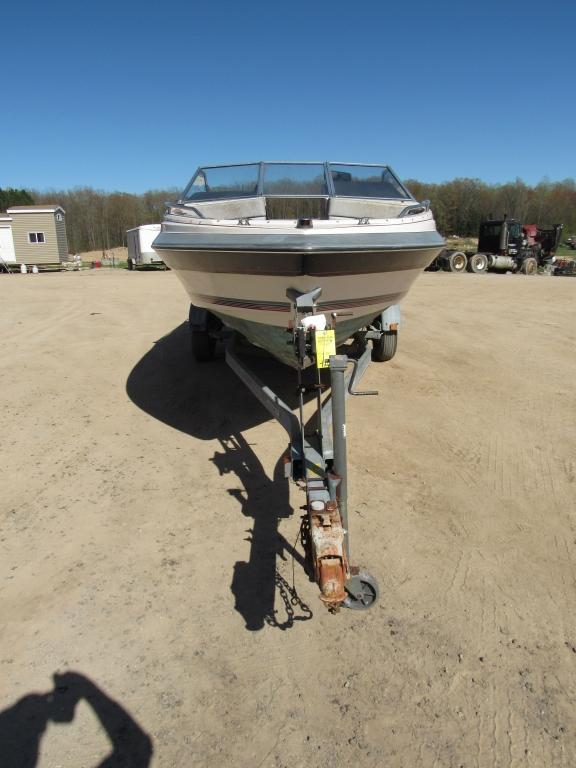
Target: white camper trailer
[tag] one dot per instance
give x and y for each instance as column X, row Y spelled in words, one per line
column 139, row 241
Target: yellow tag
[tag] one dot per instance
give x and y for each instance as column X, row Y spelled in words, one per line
column 325, row 343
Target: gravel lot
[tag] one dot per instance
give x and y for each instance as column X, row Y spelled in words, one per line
column 145, row 542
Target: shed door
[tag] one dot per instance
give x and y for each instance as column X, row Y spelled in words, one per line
column 6, row 245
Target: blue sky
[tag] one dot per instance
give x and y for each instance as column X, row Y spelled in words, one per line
column 133, row 96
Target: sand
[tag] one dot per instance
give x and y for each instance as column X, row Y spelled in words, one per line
column 146, row 540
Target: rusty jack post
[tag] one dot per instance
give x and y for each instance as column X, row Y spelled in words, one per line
column 327, row 541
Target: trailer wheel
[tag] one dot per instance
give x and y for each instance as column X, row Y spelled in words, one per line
column 203, row 346
column 131, row 265
column 478, row 263
column 455, row 261
column 529, row 266
column 384, row 348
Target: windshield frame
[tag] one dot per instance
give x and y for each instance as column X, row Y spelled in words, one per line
column 329, row 181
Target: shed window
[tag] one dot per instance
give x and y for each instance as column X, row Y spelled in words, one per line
column 58, row 217
column 36, row 237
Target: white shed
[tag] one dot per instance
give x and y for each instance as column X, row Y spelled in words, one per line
column 139, row 241
column 7, row 252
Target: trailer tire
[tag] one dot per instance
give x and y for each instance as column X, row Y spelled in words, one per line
column 454, row 261
column 384, row 348
column 202, row 346
column 478, row 263
column 529, row 266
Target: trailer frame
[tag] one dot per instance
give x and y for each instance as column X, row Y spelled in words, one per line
column 318, row 460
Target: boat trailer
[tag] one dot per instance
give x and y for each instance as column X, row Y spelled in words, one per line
column 318, row 460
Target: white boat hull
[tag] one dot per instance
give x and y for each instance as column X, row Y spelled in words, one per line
column 241, row 273
column 257, row 306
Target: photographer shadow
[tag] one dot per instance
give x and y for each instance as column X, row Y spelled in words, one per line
column 209, row 402
column 23, row 725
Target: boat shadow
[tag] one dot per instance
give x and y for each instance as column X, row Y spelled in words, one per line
column 209, row 402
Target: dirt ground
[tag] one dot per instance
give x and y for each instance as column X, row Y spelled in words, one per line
column 146, row 540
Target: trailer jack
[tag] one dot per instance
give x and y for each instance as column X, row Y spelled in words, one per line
column 318, row 461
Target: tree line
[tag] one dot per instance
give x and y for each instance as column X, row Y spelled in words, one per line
column 97, row 220
column 460, row 205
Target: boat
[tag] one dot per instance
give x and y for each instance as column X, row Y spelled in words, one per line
column 298, row 258
column 241, row 236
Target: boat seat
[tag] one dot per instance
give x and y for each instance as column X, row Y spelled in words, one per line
column 359, row 208
column 242, row 208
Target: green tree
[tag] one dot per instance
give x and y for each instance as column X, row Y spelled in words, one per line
column 11, row 196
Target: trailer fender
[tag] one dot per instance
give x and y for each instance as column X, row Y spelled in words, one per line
column 390, row 318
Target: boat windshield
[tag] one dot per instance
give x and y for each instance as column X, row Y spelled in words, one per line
column 295, row 179
column 366, row 181
column 223, row 181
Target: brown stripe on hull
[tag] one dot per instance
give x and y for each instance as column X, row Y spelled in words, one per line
column 299, row 264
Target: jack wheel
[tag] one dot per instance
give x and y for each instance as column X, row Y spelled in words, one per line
column 362, row 592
